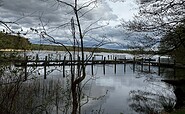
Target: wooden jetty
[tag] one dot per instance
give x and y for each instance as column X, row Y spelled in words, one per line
column 22, row 63
column 47, row 62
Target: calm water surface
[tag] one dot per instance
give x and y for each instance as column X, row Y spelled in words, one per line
column 119, row 90
column 126, row 91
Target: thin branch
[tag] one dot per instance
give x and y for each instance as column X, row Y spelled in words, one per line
column 85, row 6
column 68, row 4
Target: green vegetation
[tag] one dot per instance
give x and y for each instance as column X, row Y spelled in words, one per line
column 8, row 41
column 48, row 47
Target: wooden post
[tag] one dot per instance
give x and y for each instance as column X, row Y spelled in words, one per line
column 149, row 61
column 78, row 66
column 115, row 65
column 125, row 62
column 59, row 57
column 64, row 62
column 25, row 68
column 142, row 65
column 134, row 62
column 45, row 64
column 49, row 56
column 37, row 58
column 104, row 65
column 71, row 65
column 86, row 56
column 92, row 70
column 159, row 65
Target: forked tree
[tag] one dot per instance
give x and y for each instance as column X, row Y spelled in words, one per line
column 78, row 10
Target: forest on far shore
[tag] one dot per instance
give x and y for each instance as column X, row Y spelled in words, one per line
column 8, row 41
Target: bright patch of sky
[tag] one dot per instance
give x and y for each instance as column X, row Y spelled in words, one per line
column 124, row 10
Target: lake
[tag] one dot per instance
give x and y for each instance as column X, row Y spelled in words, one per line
column 126, row 91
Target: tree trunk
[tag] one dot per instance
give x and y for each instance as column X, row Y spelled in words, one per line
column 75, row 99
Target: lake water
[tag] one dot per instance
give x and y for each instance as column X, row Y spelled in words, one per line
column 127, row 91
column 123, row 91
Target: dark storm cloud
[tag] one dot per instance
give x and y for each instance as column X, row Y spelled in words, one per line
column 50, row 10
column 31, row 10
column 30, row 14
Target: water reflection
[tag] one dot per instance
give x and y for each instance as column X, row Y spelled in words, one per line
column 34, row 96
column 128, row 91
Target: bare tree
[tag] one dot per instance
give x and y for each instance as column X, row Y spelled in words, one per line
column 78, row 10
column 155, row 19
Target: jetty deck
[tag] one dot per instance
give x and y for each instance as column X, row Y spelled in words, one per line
column 65, row 62
column 46, row 62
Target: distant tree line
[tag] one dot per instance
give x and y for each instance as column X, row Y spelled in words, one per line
column 70, row 48
column 8, row 41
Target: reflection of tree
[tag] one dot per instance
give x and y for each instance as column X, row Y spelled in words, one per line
column 179, row 91
column 148, row 102
column 33, row 96
column 95, row 96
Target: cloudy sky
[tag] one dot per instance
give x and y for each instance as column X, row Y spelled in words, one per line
column 55, row 19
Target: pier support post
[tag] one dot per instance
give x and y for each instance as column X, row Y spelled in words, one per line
column 134, row 64
column 25, row 68
column 142, row 64
column 45, row 64
column 64, row 62
column 125, row 62
column 115, row 65
column 104, row 65
column 37, row 59
column 149, row 62
column 78, row 66
column 92, row 69
column 159, row 65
